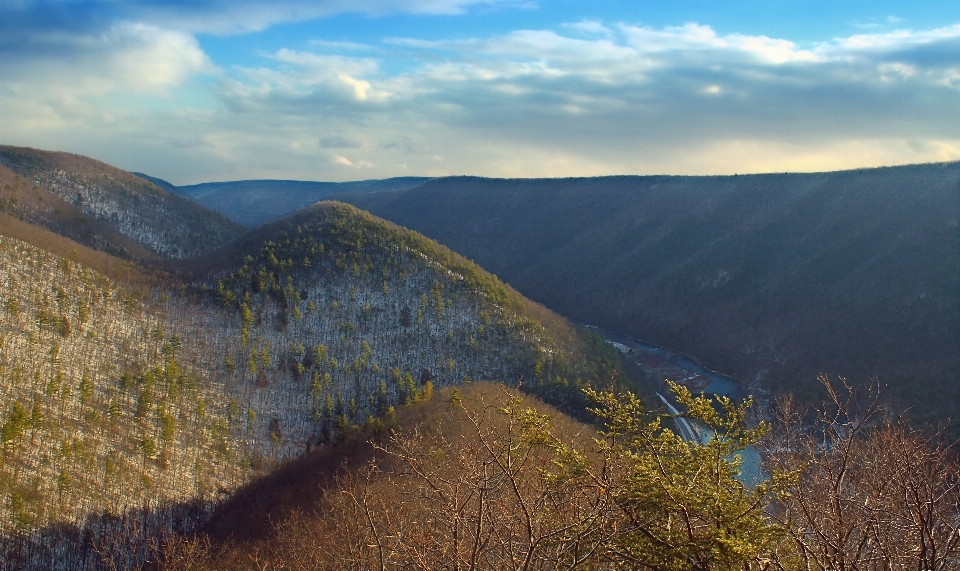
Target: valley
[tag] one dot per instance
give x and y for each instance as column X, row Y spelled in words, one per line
column 771, row 279
column 660, row 365
column 183, row 392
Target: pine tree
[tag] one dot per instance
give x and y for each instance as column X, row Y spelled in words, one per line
column 685, row 507
column 148, row 448
column 85, row 389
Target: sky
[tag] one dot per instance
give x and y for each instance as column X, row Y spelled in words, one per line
column 210, row 90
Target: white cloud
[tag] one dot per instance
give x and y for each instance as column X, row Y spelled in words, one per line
column 310, row 67
column 950, row 78
column 232, row 16
column 127, row 56
column 342, row 45
column 360, row 87
column 693, row 37
column 319, row 81
column 589, row 27
column 529, row 45
column 242, row 16
column 151, row 59
column 896, row 70
column 344, row 161
column 896, row 40
column 588, row 98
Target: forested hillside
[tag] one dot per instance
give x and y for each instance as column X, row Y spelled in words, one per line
column 152, row 399
column 770, row 278
column 106, row 208
column 270, row 403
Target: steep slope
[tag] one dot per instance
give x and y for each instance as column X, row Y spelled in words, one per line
column 157, row 181
column 771, row 278
column 303, row 513
column 145, row 400
column 24, row 200
column 105, row 207
column 114, row 267
column 102, row 411
column 253, row 202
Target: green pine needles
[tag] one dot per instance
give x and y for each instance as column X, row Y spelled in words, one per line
column 683, row 503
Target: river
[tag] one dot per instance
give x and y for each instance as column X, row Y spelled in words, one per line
column 665, row 364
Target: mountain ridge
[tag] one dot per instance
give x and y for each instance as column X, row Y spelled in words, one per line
column 770, row 278
column 254, row 202
column 157, row 181
column 104, row 206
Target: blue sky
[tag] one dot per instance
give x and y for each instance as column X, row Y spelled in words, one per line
column 205, row 90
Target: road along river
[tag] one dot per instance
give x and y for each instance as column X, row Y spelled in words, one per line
column 664, row 364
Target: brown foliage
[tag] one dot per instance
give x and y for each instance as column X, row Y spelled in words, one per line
column 102, row 262
column 482, row 483
column 479, row 482
column 871, row 493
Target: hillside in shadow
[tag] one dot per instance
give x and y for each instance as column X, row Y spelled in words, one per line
column 770, row 278
column 253, row 202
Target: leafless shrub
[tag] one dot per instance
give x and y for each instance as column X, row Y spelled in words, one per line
column 497, row 485
column 871, row 492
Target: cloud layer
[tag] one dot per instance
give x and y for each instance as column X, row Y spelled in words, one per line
column 585, row 98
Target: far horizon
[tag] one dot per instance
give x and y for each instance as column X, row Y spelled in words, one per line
column 555, row 177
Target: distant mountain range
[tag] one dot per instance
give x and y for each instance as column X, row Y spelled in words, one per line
column 253, row 202
column 771, row 278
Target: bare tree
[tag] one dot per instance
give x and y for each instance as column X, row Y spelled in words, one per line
column 498, row 487
column 870, row 492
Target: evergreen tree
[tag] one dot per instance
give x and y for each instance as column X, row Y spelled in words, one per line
column 684, row 507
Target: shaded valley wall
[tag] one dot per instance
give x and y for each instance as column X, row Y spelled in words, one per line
column 771, row 278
